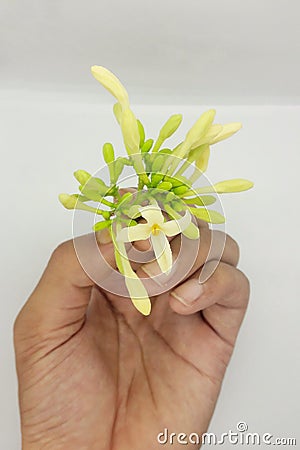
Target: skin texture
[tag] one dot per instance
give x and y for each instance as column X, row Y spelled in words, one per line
column 95, row 374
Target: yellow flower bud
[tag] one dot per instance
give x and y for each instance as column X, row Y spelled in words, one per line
column 165, row 185
column 208, row 138
column 207, row 215
column 176, row 181
column 203, row 158
column 147, row 145
column 234, row 185
column 142, row 133
column 108, row 153
column 101, row 225
column 82, row 176
column 71, row 202
column 180, row 190
column 117, row 109
column 112, row 84
column 170, row 126
column 156, row 178
column 158, row 163
column 227, row 130
column 167, row 130
column 200, row 128
column 203, row 200
column 130, row 132
column 93, row 187
column 68, row 201
column 118, row 167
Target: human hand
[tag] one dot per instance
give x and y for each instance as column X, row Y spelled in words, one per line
column 95, row 374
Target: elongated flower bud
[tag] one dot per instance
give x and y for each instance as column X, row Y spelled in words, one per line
column 118, row 167
column 108, row 153
column 207, row 215
column 130, row 132
column 203, row 200
column 156, row 178
column 227, row 130
column 203, row 158
column 200, row 128
column 167, row 130
column 170, row 126
column 180, row 190
column 91, row 194
column 68, row 201
column 71, row 202
column 177, row 181
column 117, row 109
column 158, row 163
column 101, row 225
column 165, row 185
column 141, row 132
column 112, row 84
column 93, row 186
column 147, row 145
column 234, row 185
column 208, row 138
column 82, row 176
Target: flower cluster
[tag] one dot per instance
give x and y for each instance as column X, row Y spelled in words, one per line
column 159, row 170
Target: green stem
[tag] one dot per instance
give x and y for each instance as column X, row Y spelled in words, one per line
column 182, row 169
column 107, row 203
column 157, row 144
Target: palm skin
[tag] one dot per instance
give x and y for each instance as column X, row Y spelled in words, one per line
column 112, row 379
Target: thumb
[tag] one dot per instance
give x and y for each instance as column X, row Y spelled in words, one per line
column 58, row 304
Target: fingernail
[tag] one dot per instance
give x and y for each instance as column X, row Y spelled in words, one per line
column 188, row 292
column 103, row 236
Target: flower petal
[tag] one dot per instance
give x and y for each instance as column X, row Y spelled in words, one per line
column 152, row 214
column 138, row 294
column 136, row 233
column 162, row 251
column 173, row 227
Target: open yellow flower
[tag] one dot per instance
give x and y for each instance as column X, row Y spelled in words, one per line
column 157, row 230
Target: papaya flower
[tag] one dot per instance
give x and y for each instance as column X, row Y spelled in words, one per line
column 157, row 230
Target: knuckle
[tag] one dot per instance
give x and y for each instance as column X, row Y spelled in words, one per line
column 228, row 281
column 246, row 282
column 227, row 247
column 234, row 245
column 61, row 251
column 242, row 286
column 202, row 224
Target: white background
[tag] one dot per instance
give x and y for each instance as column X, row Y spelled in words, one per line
column 241, row 58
